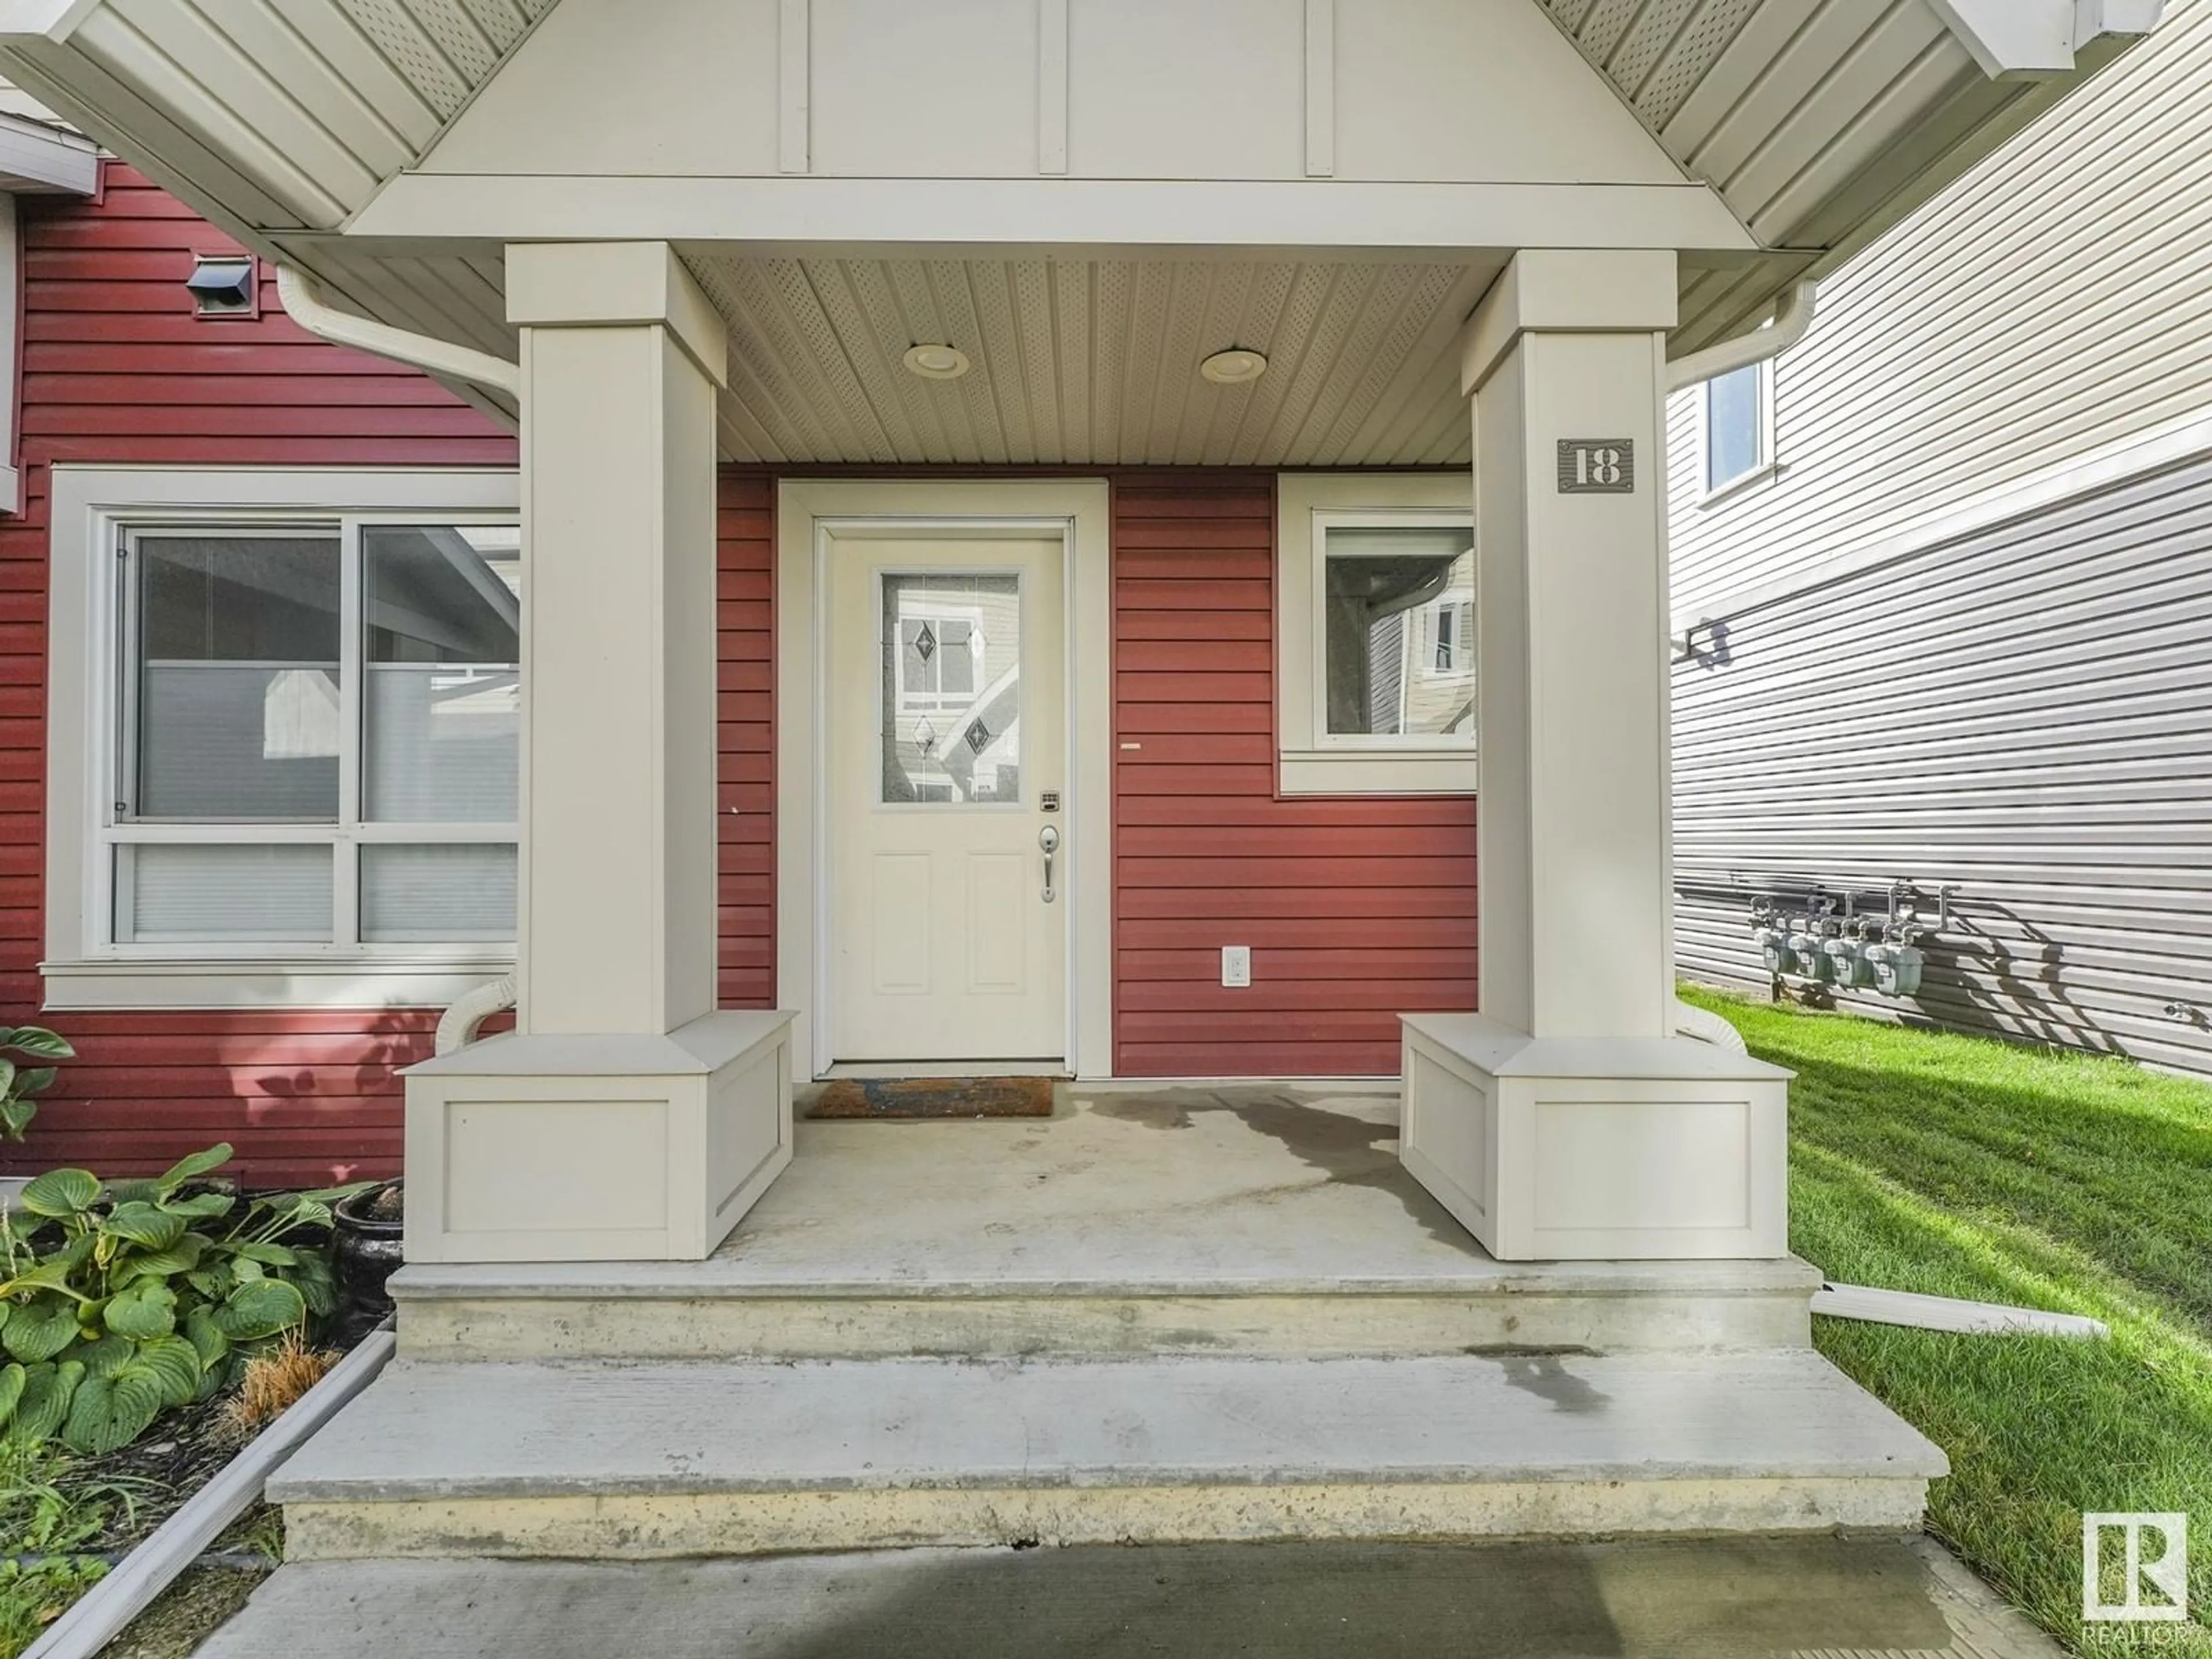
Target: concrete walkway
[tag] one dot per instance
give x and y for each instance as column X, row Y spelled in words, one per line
column 1821, row 1598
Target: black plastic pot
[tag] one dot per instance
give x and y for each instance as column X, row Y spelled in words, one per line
column 366, row 1252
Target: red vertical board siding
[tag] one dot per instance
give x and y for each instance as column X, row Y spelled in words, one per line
column 1356, row 910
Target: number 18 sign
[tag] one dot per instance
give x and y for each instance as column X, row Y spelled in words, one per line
column 1597, row 466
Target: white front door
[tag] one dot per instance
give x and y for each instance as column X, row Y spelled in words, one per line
column 946, row 747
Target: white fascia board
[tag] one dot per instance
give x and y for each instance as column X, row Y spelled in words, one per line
column 35, row 157
column 1065, row 215
column 2037, row 39
column 46, row 20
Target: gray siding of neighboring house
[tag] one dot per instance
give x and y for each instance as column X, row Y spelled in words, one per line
column 2056, row 301
column 2026, row 713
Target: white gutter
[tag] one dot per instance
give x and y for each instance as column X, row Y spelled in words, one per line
column 303, row 300
column 41, row 157
column 2039, row 39
column 457, row 1027
column 1789, row 326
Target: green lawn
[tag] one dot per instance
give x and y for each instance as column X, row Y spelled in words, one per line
column 1957, row 1166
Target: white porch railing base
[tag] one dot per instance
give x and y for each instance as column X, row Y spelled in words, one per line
column 1567, row 1149
column 614, row 1148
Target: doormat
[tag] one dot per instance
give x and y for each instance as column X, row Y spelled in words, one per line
column 933, row 1097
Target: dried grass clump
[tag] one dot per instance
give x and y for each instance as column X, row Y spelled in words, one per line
column 274, row 1379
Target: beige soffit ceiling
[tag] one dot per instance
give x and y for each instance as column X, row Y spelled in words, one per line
column 1094, row 360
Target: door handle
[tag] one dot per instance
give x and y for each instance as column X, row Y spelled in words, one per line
column 1049, row 838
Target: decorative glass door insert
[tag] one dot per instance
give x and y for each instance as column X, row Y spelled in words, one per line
column 951, row 696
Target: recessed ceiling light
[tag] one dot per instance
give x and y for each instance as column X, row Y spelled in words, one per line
column 1235, row 366
column 937, row 362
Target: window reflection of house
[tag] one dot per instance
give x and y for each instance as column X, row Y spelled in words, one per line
column 1438, row 694
column 952, row 691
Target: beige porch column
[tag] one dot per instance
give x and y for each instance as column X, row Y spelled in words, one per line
column 625, row 1117
column 1567, row 1119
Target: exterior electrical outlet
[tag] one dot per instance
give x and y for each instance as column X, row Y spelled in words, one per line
column 1236, row 966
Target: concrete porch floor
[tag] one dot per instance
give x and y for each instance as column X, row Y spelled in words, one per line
column 1249, row 1217
column 1253, row 1186
column 1259, row 1185
column 1166, row 1316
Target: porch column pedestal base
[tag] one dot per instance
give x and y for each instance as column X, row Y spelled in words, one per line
column 596, row 1148
column 1560, row 1149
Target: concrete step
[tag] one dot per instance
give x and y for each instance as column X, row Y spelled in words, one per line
column 1859, row 1598
column 524, row 1459
column 1226, row 1301
column 1259, row 1220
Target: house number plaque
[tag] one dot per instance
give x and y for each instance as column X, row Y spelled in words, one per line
column 1597, row 466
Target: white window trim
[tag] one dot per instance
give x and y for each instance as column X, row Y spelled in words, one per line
column 1715, row 495
column 91, row 508
column 1311, row 761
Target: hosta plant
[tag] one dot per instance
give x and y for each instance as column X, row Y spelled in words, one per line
column 123, row 1298
column 19, row 1082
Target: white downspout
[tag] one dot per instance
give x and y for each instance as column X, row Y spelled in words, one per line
column 456, row 1026
column 303, row 301
column 1791, row 323
column 1692, row 1021
column 1927, row 1313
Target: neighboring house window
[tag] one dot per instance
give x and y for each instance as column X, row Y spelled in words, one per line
column 1443, row 635
column 300, row 741
column 1375, row 634
column 1738, row 426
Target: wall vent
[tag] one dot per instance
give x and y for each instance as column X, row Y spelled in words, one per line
column 225, row 285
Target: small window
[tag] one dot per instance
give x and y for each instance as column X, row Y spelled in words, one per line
column 1739, row 426
column 318, row 736
column 1394, row 601
column 1375, row 632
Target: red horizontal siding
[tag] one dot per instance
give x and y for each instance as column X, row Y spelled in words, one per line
column 746, row 615
column 1356, row 910
column 117, row 370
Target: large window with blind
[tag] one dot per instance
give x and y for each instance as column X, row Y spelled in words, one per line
column 317, row 739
